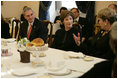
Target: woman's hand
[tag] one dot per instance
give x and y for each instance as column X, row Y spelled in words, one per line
column 77, row 39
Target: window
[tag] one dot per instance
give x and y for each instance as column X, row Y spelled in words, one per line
column 69, row 4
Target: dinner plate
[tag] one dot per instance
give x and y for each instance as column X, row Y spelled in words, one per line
column 61, row 73
column 26, row 71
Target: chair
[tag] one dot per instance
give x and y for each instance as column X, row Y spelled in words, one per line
column 50, row 38
column 15, row 28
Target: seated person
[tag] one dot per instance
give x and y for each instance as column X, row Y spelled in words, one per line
column 86, row 30
column 98, row 45
column 57, row 19
column 63, row 37
column 22, row 16
column 100, row 70
column 105, row 69
column 4, row 29
column 32, row 28
column 113, row 44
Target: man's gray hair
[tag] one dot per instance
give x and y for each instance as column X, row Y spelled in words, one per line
column 27, row 9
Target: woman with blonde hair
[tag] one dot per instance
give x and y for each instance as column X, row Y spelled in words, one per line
column 99, row 45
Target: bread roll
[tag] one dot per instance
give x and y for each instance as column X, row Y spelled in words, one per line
column 38, row 42
column 28, row 44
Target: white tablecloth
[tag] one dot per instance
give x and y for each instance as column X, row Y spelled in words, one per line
column 53, row 56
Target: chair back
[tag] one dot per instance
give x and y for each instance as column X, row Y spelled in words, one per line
column 15, row 28
column 50, row 38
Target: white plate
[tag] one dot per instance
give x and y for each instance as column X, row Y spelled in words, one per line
column 61, row 73
column 23, row 71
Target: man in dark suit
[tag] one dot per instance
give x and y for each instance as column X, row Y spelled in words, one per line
column 32, row 28
column 86, row 30
column 57, row 19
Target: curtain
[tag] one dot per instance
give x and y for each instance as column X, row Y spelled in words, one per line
column 44, row 10
column 88, row 7
column 82, row 6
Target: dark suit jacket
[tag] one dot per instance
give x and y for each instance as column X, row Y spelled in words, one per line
column 86, row 29
column 98, row 46
column 5, row 30
column 64, row 39
column 39, row 29
column 100, row 70
column 57, row 18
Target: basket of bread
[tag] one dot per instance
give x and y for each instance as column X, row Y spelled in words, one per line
column 36, row 45
column 25, row 47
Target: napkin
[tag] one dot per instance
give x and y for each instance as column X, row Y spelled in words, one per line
column 71, row 54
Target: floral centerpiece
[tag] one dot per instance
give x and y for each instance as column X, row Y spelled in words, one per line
column 36, row 47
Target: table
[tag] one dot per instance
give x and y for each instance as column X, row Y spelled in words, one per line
column 11, row 63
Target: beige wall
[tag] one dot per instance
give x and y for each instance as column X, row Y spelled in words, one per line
column 102, row 4
column 14, row 8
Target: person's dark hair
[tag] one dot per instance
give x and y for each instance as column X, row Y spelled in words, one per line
column 76, row 9
column 25, row 7
column 66, row 13
column 63, row 8
column 107, row 13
